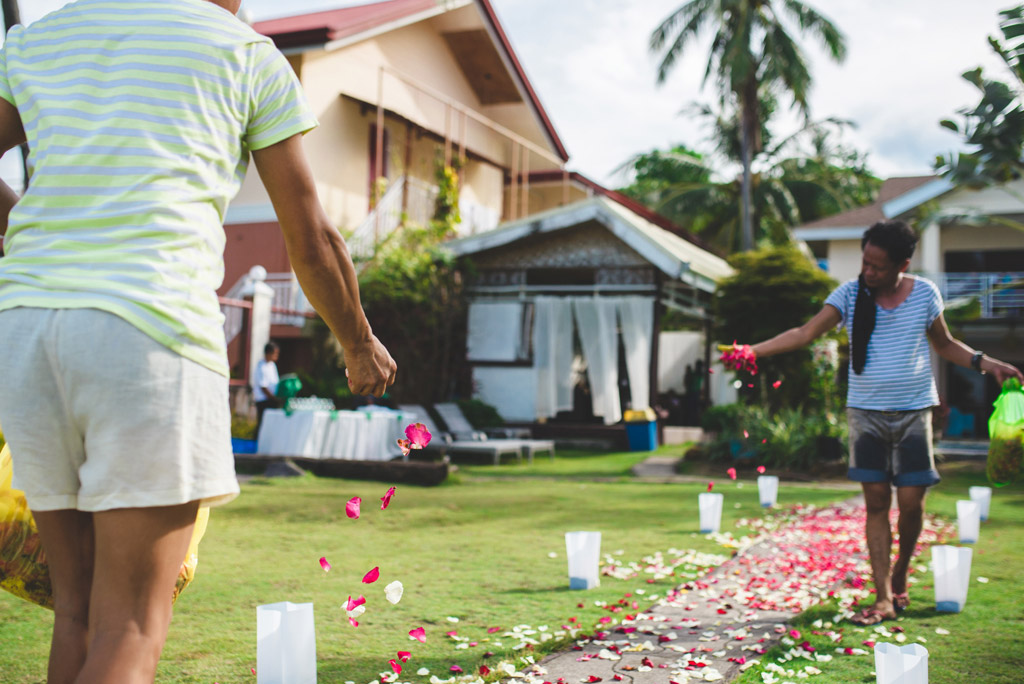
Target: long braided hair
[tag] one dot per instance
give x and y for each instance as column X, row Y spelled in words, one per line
column 898, row 240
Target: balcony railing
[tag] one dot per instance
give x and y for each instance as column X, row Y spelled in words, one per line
column 1001, row 295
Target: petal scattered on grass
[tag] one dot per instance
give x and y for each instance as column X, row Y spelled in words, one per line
column 386, row 499
column 352, row 621
column 456, row 669
column 983, row 580
column 711, row 486
column 395, row 666
column 372, row 576
column 353, row 604
column 452, row 619
column 394, row 592
column 325, row 565
column 352, row 507
column 419, row 634
column 404, row 656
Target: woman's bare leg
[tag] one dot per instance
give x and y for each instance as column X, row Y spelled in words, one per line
column 67, row 538
column 138, row 555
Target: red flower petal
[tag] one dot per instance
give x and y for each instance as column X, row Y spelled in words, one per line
column 776, row 384
column 395, row 666
column 418, row 435
column 352, row 507
column 710, row 485
column 404, row 656
column 372, row 576
column 353, row 604
column 325, row 565
column 352, row 621
column 455, row 668
column 761, row 469
column 593, row 678
column 731, row 472
column 419, row 634
column 484, row 670
column 386, row 499
column 492, row 630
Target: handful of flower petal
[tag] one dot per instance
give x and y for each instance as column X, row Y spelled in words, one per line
column 738, row 357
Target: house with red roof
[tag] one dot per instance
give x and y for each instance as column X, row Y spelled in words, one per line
column 972, row 247
column 401, row 86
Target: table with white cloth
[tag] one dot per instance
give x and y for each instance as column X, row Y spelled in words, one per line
column 345, row 435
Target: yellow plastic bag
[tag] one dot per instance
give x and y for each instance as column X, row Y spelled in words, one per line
column 23, row 569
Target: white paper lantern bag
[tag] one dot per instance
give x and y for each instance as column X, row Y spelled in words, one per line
column 583, row 550
column 285, row 644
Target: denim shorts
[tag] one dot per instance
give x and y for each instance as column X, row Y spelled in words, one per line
column 892, row 446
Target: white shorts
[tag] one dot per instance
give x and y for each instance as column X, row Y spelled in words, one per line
column 100, row 416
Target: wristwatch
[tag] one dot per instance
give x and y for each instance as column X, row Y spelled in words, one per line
column 976, row 361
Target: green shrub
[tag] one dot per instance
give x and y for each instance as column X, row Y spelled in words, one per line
column 480, row 415
column 788, row 439
column 242, row 427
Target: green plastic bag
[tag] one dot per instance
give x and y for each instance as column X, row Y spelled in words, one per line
column 1006, row 435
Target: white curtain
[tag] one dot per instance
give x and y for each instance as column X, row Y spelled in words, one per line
column 637, row 317
column 495, row 331
column 553, row 354
column 596, row 321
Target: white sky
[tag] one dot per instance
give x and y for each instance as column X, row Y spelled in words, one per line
column 589, row 63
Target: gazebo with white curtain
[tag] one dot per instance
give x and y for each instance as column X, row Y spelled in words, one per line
column 557, row 292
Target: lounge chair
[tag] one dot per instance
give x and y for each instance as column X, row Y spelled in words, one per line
column 453, row 417
column 496, row 447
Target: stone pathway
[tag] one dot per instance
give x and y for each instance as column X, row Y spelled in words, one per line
column 713, row 628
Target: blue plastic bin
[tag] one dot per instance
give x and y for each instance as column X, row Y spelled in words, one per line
column 642, row 436
column 243, row 446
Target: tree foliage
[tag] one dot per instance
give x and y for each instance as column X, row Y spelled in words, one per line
column 994, row 128
column 752, row 50
column 773, row 289
column 800, row 178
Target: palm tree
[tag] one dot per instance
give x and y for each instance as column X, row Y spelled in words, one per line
column 751, row 48
column 803, row 177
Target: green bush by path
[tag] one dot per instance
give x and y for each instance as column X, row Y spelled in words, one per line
column 984, row 642
column 477, row 550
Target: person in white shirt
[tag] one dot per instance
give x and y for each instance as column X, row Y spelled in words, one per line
column 264, row 382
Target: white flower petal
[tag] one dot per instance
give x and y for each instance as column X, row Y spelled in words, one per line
column 393, row 592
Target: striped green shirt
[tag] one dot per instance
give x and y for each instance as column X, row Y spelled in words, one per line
column 140, row 115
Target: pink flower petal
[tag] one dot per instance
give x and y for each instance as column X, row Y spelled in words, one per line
column 352, row 507
column 795, row 634
column 453, row 633
column 352, row 621
column 484, row 670
column 761, row 469
column 710, row 485
column 418, row 435
column 386, row 499
column 746, row 434
column 731, row 472
column 405, row 445
column 404, row 656
column 455, row 668
column 325, row 565
column 372, row 576
column 395, row 666
column 492, row 630
column 776, row 384
column 353, row 604
column 419, row 634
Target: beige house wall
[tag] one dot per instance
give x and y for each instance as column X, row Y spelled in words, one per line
column 1008, row 199
column 960, row 238
column 342, row 88
column 844, row 259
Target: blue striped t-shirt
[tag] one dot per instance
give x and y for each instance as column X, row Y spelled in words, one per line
column 898, row 372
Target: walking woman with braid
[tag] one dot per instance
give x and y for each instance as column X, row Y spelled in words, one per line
column 891, row 317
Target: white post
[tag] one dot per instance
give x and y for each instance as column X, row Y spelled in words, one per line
column 931, row 250
column 261, row 295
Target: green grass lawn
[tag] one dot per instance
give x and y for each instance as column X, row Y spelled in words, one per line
column 477, row 549
column 985, row 642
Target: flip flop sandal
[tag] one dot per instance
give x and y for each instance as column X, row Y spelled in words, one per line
column 870, row 617
column 900, row 602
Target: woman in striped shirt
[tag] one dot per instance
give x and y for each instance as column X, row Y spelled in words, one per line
column 892, row 320
column 141, row 116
